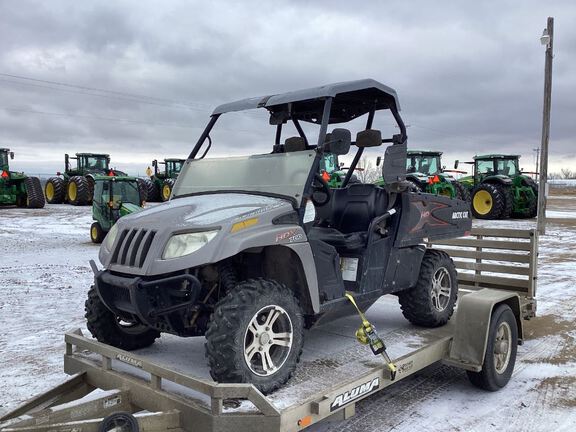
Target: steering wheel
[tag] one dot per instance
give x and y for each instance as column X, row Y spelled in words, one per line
column 321, row 192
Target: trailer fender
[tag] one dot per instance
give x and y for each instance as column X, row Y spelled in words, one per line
column 472, row 323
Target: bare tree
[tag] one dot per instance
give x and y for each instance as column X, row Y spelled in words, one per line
column 567, row 173
column 366, row 172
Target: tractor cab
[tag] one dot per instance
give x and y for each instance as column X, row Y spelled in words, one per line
column 88, row 162
column 4, row 155
column 424, row 163
column 114, row 197
column 495, row 165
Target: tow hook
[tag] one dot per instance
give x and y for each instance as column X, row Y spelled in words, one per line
column 367, row 335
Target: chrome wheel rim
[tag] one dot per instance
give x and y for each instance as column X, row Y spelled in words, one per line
column 441, row 289
column 268, row 340
column 502, row 347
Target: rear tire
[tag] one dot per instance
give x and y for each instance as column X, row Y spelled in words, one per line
column 431, row 302
column 34, row 193
column 462, row 192
column 143, row 189
column 97, row 234
column 488, row 201
column 55, row 190
column 153, row 192
column 78, row 191
column 108, row 328
column 243, row 347
column 501, row 349
column 166, row 189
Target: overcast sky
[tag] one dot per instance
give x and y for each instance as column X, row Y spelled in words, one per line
column 469, row 75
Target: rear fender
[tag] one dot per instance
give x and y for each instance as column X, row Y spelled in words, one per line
column 498, row 179
column 472, row 324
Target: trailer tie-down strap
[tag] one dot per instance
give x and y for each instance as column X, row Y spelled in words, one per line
column 367, row 335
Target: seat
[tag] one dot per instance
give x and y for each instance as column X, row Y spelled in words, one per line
column 347, row 216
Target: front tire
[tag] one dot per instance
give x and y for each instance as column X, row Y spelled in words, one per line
column 501, row 349
column 78, row 191
column 431, row 302
column 113, row 330
column 166, row 189
column 97, row 234
column 255, row 335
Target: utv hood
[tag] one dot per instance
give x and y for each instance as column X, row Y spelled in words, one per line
column 141, row 237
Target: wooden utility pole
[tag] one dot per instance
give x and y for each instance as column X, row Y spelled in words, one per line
column 548, row 40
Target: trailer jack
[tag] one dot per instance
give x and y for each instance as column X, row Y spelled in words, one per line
column 367, row 335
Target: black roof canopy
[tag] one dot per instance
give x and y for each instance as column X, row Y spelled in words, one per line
column 351, row 99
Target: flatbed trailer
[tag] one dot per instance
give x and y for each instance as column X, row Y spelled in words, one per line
column 144, row 391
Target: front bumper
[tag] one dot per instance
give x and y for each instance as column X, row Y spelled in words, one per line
column 160, row 303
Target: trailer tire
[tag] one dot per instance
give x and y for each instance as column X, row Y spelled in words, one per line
column 55, row 190
column 105, row 326
column 431, row 302
column 120, row 420
column 501, row 351
column 462, row 192
column 235, row 349
column 34, row 193
column 78, row 191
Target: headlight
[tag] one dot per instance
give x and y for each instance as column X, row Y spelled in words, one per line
column 185, row 244
column 110, row 238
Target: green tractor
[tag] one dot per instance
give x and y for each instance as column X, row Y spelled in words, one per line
column 76, row 185
column 17, row 188
column 159, row 186
column 114, row 197
column 333, row 172
column 500, row 189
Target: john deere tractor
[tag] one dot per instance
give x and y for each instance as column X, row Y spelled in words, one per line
column 114, row 197
column 76, row 185
column 500, row 189
column 17, row 188
column 159, row 186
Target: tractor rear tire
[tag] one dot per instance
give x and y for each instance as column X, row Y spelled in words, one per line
column 431, row 302
column 108, row 328
column 55, row 190
column 255, row 335
column 489, row 201
column 78, row 191
column 97, row 234
column 34, row 192
column 91, row 183
column 153, row 192
column 509, row 201
column 166, row 189
column 143, row 189
column 462, row 192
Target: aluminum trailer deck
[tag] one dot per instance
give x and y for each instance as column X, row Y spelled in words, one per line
column 175, row 392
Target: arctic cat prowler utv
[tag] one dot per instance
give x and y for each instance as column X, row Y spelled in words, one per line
column 114, row 197
column 76, row 185
column 18, row 188
column 500, row 189
column 160, row 185
column 252, row 258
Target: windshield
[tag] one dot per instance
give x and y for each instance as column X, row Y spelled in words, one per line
column 121, row 191
column 96, row 162
column 3, row 159
column 174, row 167
column 508, row 167
column 423, row 164
column 329, row 163
column 270, row 174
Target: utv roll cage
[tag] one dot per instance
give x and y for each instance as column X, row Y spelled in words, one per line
column 325, row 105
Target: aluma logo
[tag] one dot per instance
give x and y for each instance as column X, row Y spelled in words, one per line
column 355, row 393
column 460, row 215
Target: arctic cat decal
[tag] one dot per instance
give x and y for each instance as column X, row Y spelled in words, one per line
column 460, row 215
column 355, row 393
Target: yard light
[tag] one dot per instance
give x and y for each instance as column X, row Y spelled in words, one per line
column 545, row 38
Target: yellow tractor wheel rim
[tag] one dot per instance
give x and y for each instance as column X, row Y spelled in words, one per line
column 166, row 192
column 482, row 202
column 72, row 191
column 49, row 191
column 94, row 233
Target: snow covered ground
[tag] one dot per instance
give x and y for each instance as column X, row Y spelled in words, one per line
column 44, row 276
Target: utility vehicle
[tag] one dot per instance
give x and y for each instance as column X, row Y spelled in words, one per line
column 252, row 258
column 114, row 197
column 76, row 184
column 159, row 185
column 17, row 188
column 500, row 189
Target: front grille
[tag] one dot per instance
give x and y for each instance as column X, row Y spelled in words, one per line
column 132, row 247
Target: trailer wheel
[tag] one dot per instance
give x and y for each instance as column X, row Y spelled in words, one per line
column 113, row 330
column 255, row 335
column 501, row 351
column 431, row 302
column 78, row 191
column 119, row 421
column 97, row 234
column 34, row 193
column 55, row 190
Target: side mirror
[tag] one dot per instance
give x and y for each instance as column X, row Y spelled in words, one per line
column 369, row 138
column 11, row 155
column 456, row 164
column 340, row 140
column 378, row 160
column 443, row 167
column 154, row 163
